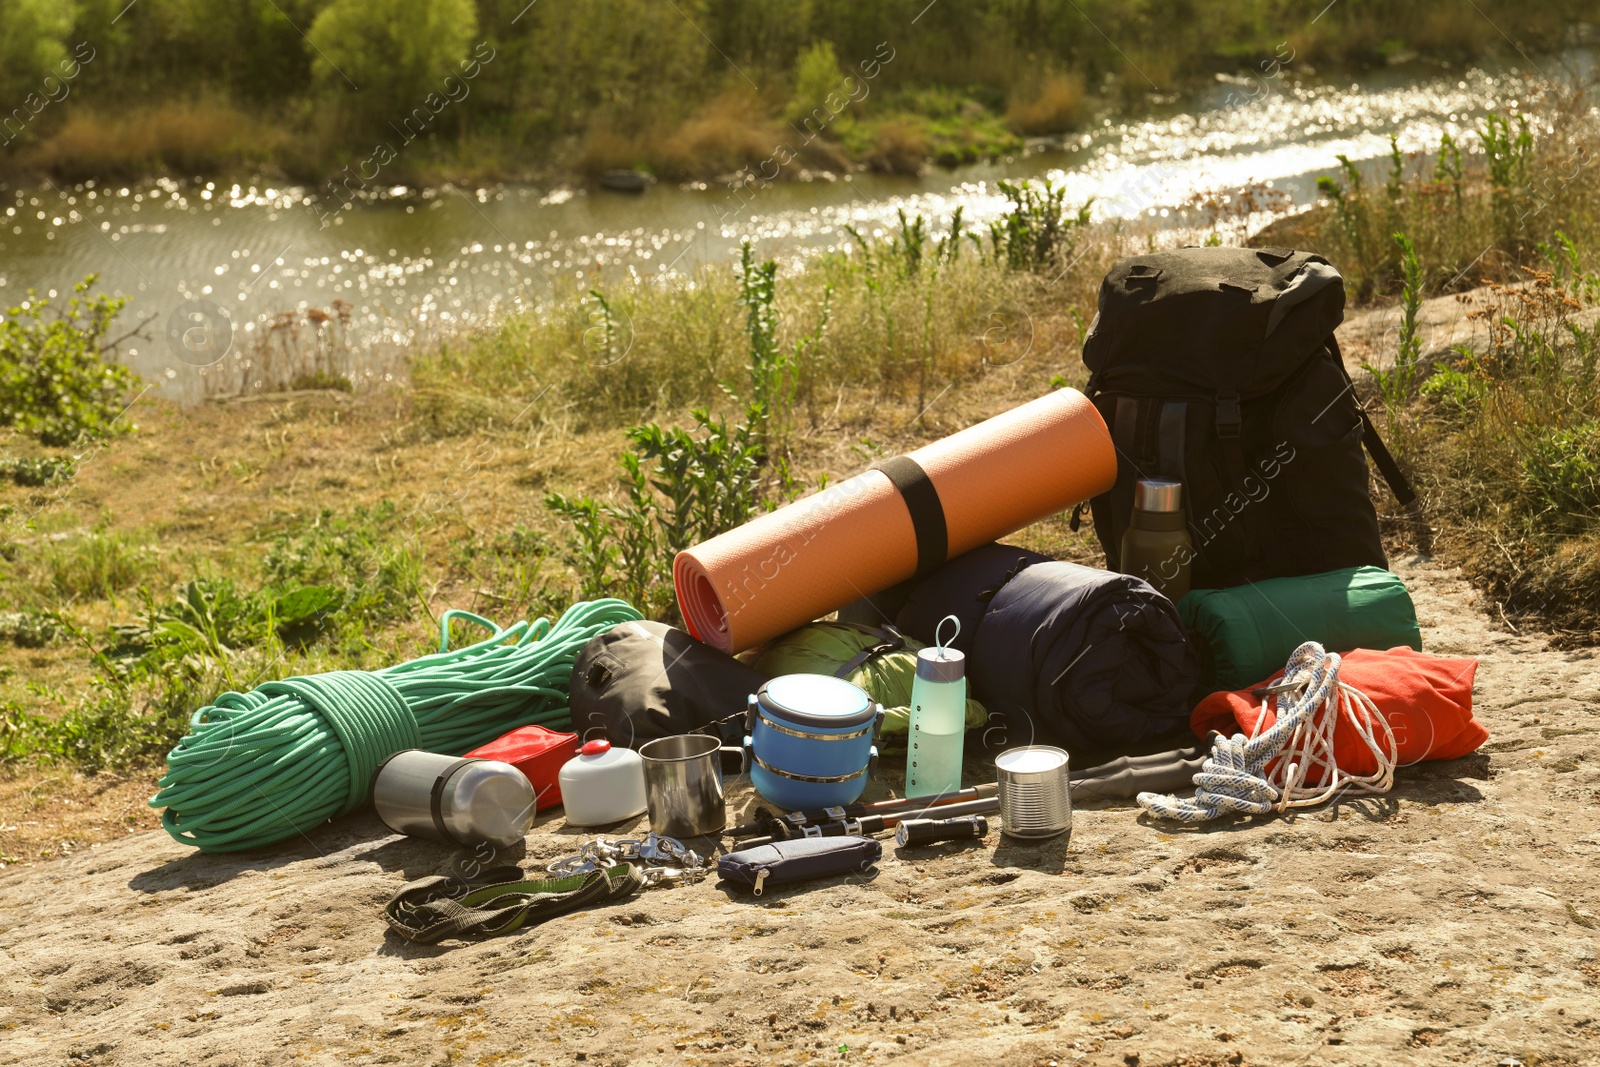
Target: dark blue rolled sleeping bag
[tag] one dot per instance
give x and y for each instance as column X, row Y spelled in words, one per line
column 1087, row 659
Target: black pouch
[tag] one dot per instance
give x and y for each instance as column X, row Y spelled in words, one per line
column 642, row 680
column 800, row 860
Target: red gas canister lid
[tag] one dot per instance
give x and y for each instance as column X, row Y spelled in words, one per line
column 598, row 747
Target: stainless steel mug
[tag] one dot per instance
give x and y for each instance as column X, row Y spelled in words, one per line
column 683, row 784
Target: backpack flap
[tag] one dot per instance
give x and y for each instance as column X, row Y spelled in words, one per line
column 1206, row 321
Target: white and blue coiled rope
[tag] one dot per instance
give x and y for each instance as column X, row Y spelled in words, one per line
column 1269, row 770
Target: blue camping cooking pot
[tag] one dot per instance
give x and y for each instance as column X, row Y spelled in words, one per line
column 811, row 740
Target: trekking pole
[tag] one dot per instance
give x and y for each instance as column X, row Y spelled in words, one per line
column 799, row 819
column 877, row 824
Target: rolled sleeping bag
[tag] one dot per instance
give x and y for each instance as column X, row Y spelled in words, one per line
column 880, row 661
column 1087, row 659
column 963, row 588
column 902, row 518
column 642, row 680
column 1245, row 633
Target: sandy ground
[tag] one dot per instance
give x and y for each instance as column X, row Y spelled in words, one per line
column 1456, row 920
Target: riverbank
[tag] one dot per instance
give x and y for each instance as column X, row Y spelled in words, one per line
column 538, row 99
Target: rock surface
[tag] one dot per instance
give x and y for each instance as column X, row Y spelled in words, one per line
column 1456, row 919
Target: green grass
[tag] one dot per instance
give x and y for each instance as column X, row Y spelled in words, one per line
column 1468, row 222
column 314, row 598
column 1506, row 441
column 1501, row 439
column 904, row 311
column 96, row 564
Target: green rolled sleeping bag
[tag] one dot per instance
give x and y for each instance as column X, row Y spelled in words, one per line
column 882, row 661
column 1245, row 634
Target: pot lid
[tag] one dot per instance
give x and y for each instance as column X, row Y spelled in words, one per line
column 818, row 700
column 1031, row 759
column 598, row 756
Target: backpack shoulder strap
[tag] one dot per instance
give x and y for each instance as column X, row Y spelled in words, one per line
column 1381, row 456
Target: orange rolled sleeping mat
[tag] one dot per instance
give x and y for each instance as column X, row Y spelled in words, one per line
column 899, row 519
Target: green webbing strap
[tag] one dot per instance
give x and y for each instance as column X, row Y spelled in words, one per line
column 500, row 901
column 369, row 716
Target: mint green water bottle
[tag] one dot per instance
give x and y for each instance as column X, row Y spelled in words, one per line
column 938, row 719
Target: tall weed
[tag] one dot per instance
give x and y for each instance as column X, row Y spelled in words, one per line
column 1398, row 382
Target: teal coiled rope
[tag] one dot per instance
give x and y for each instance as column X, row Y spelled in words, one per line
column 262, row 766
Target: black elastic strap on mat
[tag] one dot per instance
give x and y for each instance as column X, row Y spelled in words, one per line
column 927, row 513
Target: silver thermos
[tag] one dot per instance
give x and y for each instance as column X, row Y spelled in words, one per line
column 448, row 798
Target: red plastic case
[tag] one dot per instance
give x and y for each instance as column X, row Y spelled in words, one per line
column 536, row 752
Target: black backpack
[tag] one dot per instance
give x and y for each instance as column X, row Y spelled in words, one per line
column 1218, row 368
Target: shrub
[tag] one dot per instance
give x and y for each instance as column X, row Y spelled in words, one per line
column 1055, row 107
column 56, row 382
column 682, row 486
column 31, row 50
column 1037, row 233
column 108, row 731
column 1515, row 461
column 816, row 77
column 899, row 147
column 1399, row 381
column 1561, row 470
column 38, row 471
column 174, row 136
column 96, row 565
column 384, row 58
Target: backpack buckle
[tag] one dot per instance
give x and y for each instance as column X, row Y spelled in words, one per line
column 1228, row 418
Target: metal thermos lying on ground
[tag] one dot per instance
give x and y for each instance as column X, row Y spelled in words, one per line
column 449, row 798
column 1156, row 545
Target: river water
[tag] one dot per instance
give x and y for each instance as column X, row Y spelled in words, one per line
column 413, row 264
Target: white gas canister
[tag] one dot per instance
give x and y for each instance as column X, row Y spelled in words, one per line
column 602, row 785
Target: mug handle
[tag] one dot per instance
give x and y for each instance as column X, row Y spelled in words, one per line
column 732, row 750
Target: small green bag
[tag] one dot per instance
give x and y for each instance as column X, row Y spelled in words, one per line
column 1245, row 634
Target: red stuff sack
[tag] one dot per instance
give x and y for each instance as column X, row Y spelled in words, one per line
column 1426, row 700
column 536, row 752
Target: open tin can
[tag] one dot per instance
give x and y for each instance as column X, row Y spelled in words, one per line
column 1035, row 795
